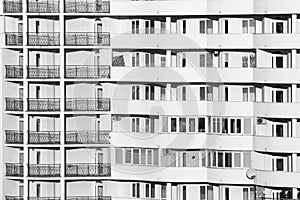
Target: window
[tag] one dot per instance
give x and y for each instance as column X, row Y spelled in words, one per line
column 38, row 125
column 228, row 159
column 128, row 156
column 226, row 63
column 247, row 160
column 135, row 59
column 252, row 60
column 163, row 192
column 252, row 94
column 119, row 156
column 163, row 61
column 202, row 27
column 182, row 125
column 162, row 93
column 183, row 192
column 279, row 130
column 214, row 158
column 279, row 27
column 279, row 96
column 192, row 125
column 136, row 190
column 226, row 26
column 279, row 164
column 147, row 92
column 152, row 190
column 226, row 94
column 245, row 61
column 202, row 193
column 183, row 93
column 201, row 125
column 152, row 23
column 209, row 60
column 224, row 125
column 147, row 60
column 164, row 124
column 150, row 157
column 245, row 26
column 202, row 60
column 245, row 194
column 135, row 27
column 143, row 156
column 252, row 26
column 227, row 194
column 152, row 60
column 184, row 26
column 237, row 159
column 209, row 26
column 38, row 190
column 173, row 125
column 135, row 125
column 135, row 92
column 202, row 93
column 136, row 158
column 147, row 195
column 210, row 192
column 220, row 159
column 209, row 93
column 247, row 125
column 38, row 157
column 279, row 62
column 147, row 27
column 163, row 27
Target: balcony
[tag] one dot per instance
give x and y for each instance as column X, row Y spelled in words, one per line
column 14, row 169
column 14, row 104
column 43, row 39
column 44, row 104
column 84, row 169
column 89, row 198
column 44, row 170
column 14, row 137
column 44, row 137
column 43, row 71
column 13, row 39
column 12, row 6
column 87, row 39
column 43, row 6
column 101, row 104
column 83, row 6
column 87, row 71
column 87, row 137
column 13, row 198
column 13, row 71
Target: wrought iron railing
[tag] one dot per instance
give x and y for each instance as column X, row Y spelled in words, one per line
column 44, row 137
column 87, row 39
column 12, row 6
column 87, row 71
column 14, row 104
column 43, row 198
column 87, row 137
column 82, row 104
column 14, row 169
column 43, row 6
column 43, row 39
column 14, row 137
column 43, row 71
column 13, row 71
column 89, row 198
column 14, row 198
column 14, row 38
column 84, row 6
column 88, row 169
column 44, row 170
column 44, row 104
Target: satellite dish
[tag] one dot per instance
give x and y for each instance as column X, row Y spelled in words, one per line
column 251, row 173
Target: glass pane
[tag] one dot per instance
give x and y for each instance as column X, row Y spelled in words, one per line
column 192, row 125
column 237, row 159
column 245, row 194
column 247, row 160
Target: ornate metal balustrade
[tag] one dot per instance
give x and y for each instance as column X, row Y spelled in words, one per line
column 13, row 198
column 43, row 6
column 87, row 6
column 44, row 104
column 43, row 198
column 14, row 104
column 14, row 137
column 43, row 39
column 14, row 169
column 13, row 71
column 87, row 71
column 14, row 39
column 84, row 169
column 44, row 137
column 89, row 198
column 87, row 39
column 12, row 6
column 44, row 170
column 101, row 104
column 43, row 71
column 87, row 137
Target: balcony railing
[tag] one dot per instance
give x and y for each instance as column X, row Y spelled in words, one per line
column 43, row 39
column 14, row 39
column 44, row 170
column 87, row 137
column 12, row 6
column 43, row 6
column 13, row 198
column 101, row 104
column 89, row 198
column 84, row 169
column 14, row 104
column 83, row 6
column 44, row 104
column 87, row 71
column 13, row 71
column 43, row 71
column 44, row 137
column 87, row 39
column 14, row 169
column 43, row 198
column 14, row 137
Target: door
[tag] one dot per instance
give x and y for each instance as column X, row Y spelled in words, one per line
column 100, row 163
column 99, row 98
column 99, row 32
column 21, row 126
column 38, row 91
column 226, row 26
column 21, row 60
column 37, row 60
column 21, row 158
column 37, row 27
column 38, row 125
column 98, row 132
column 98, row 5
column 38, row 190
column 20, row 33
column 21, row 93
column 100, row 191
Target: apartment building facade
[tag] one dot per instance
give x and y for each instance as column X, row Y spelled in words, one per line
column 160, row 99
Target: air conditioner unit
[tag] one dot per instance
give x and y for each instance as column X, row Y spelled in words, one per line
column 261, row 121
